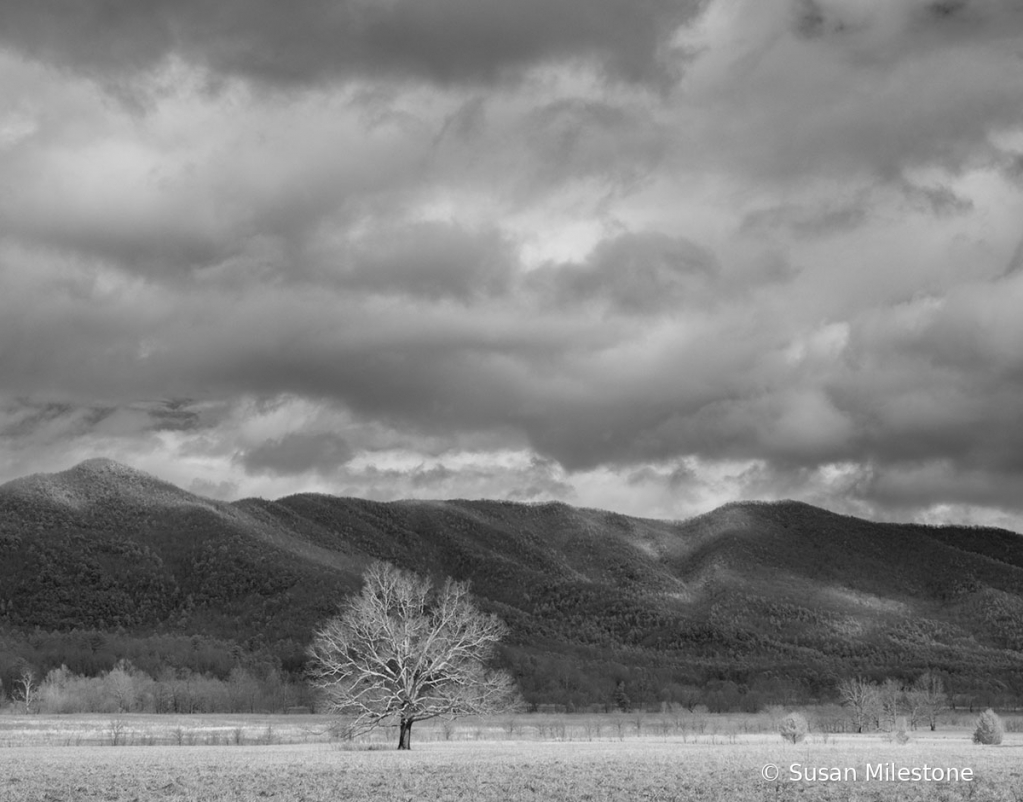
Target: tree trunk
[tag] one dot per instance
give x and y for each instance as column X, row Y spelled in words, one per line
column 405, row 734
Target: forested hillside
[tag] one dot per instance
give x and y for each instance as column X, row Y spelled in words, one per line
column 749, row 604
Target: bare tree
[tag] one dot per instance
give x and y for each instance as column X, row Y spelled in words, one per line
column 26, row 687
column 120, row 684
column 915, row 708
column 863, row 700
column 402, row 651
column 891, row 696
column 927, row 699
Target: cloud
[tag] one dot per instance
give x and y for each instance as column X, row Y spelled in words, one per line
column 906, row 381
column 847, row 87
column 310, row 42
column 431, row 260
column 298, row 453
column 633, row 273
column 223, row 491
column 510, row 476
column 223, row 183
column 936, row 482
column 806, row 220
column 663, row 254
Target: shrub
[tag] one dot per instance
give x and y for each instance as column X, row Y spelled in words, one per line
column 793, row 727
column 989, row 728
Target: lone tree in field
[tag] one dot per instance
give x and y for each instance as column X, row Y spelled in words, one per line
column 403, row 651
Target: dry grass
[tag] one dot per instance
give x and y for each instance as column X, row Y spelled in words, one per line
column 160, row 730
column 707, row 767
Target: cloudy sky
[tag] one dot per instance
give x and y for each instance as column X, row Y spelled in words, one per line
column 646, row 255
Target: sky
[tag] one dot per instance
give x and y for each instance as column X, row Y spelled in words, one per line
column 642, row 255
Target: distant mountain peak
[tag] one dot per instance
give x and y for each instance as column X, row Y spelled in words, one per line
column 94, row 480
column 105, row 465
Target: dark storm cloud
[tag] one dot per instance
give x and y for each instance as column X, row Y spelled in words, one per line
column 438, row 372
column 901, row 489
column 298, row 453
column 310, row 41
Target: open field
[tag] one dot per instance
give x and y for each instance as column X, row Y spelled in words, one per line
column 161, row 730
column 642, row 767
column 216, row 729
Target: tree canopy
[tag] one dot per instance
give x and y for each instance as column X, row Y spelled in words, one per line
column 403, row 650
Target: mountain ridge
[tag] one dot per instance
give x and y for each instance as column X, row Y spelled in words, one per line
column 749, row 591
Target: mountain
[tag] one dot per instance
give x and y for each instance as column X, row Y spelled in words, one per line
column 764, row 596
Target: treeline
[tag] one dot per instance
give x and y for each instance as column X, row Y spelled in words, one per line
column 556, row 682
column 126, row 689
column 886, row 705
column 92, row 654
column 180, row 673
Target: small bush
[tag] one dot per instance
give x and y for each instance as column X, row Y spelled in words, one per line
column 118, row 733
column 989, row 729
column 793, row 727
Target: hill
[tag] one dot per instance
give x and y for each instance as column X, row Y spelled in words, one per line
column 753, row 601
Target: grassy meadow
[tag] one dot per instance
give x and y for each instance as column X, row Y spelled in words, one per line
column 527, row 757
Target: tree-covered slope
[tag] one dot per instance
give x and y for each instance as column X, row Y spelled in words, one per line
column 750, row 592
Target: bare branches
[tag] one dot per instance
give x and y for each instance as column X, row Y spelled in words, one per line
column 402, row 651
column 863, row 700
column 928, row 698
column 879, row 706
column 26, row 686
